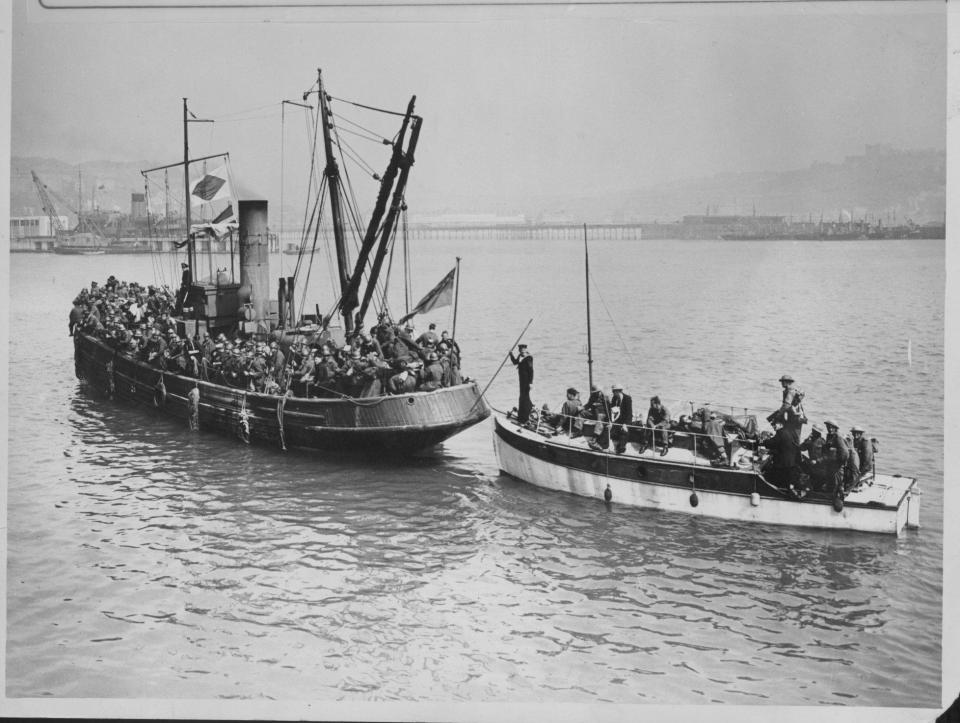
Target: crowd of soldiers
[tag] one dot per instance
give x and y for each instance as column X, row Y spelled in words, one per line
column 825, row 459
column 137, row 321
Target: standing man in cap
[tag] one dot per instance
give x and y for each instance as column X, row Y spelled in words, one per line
column 186, row 279
column 790, row 414
column 524, row 364
column 621, row 414
column 864, row 448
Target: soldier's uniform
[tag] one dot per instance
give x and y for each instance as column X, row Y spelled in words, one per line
column 864, row 448
column 837, row 445
column 432, row 373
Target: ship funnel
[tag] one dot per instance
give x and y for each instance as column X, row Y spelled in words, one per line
column 254, row 292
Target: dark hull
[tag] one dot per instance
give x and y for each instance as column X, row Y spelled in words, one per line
column 399, row 424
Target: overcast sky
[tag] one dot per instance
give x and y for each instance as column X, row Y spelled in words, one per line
column 517, row 101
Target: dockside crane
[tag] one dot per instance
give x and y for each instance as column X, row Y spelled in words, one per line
column 47, row 204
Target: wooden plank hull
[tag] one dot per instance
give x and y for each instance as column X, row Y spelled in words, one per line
column 647, row 480
column 400, row 424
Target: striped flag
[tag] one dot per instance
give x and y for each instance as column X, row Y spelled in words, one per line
column 439, row 295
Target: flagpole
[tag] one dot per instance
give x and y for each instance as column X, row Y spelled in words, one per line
column 456, row 297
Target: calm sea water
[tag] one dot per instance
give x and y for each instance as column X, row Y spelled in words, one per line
column 149, row 561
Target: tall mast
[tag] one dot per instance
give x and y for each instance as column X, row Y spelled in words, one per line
column 396, row 206
column 456, row 298
column 332, row 173
column 191, row 248
column 586, row 264
column 350, row 300
column 186, row 190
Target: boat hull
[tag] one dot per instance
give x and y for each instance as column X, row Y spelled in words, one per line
column 402, row 424
column 646, row 480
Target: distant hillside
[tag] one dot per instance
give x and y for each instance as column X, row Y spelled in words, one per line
column 883, row 183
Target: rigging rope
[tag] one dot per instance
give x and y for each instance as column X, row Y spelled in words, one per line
column 616, row 329
column 368, row 107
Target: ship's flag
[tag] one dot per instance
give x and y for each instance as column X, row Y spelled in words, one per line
column 225, row 221
column 439, row 295
column 212, row 186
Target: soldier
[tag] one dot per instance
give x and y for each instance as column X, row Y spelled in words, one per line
column 76, row 316
column 621, row 415
column 445, row 337
column 524, row 364
column 790, row 414
column 353, row 379
column 429, row 337
column 257, row 371
column 864, row 447
column 433, row 373
column 304, row 375
column 404, row 381
column 155, row 348
column 186, row 279
column 276, row 361
column 836, row 446
column 813, row 444
column 783, row 466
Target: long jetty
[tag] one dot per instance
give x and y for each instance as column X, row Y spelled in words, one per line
column 523, row 231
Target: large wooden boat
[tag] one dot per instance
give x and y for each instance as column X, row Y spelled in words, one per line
column 687, row 475
column 397, row 423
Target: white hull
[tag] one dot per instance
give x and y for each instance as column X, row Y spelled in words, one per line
column 886, row 506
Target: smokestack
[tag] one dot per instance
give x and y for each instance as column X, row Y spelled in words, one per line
column 254, row 259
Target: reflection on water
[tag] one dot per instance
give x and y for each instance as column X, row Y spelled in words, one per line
column 149, row 561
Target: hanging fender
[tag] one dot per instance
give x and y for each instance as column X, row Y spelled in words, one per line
column 281, row 405
column 160, row 393
column 193, row 408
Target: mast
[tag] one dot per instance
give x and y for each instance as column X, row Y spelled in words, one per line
column 332, row 172
column 456, row 298
column 191, row 248
column 586, row 264
column 349, row 301
column 396, row 206
column 186, row 190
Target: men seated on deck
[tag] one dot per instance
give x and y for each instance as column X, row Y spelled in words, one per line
column 569, row 419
